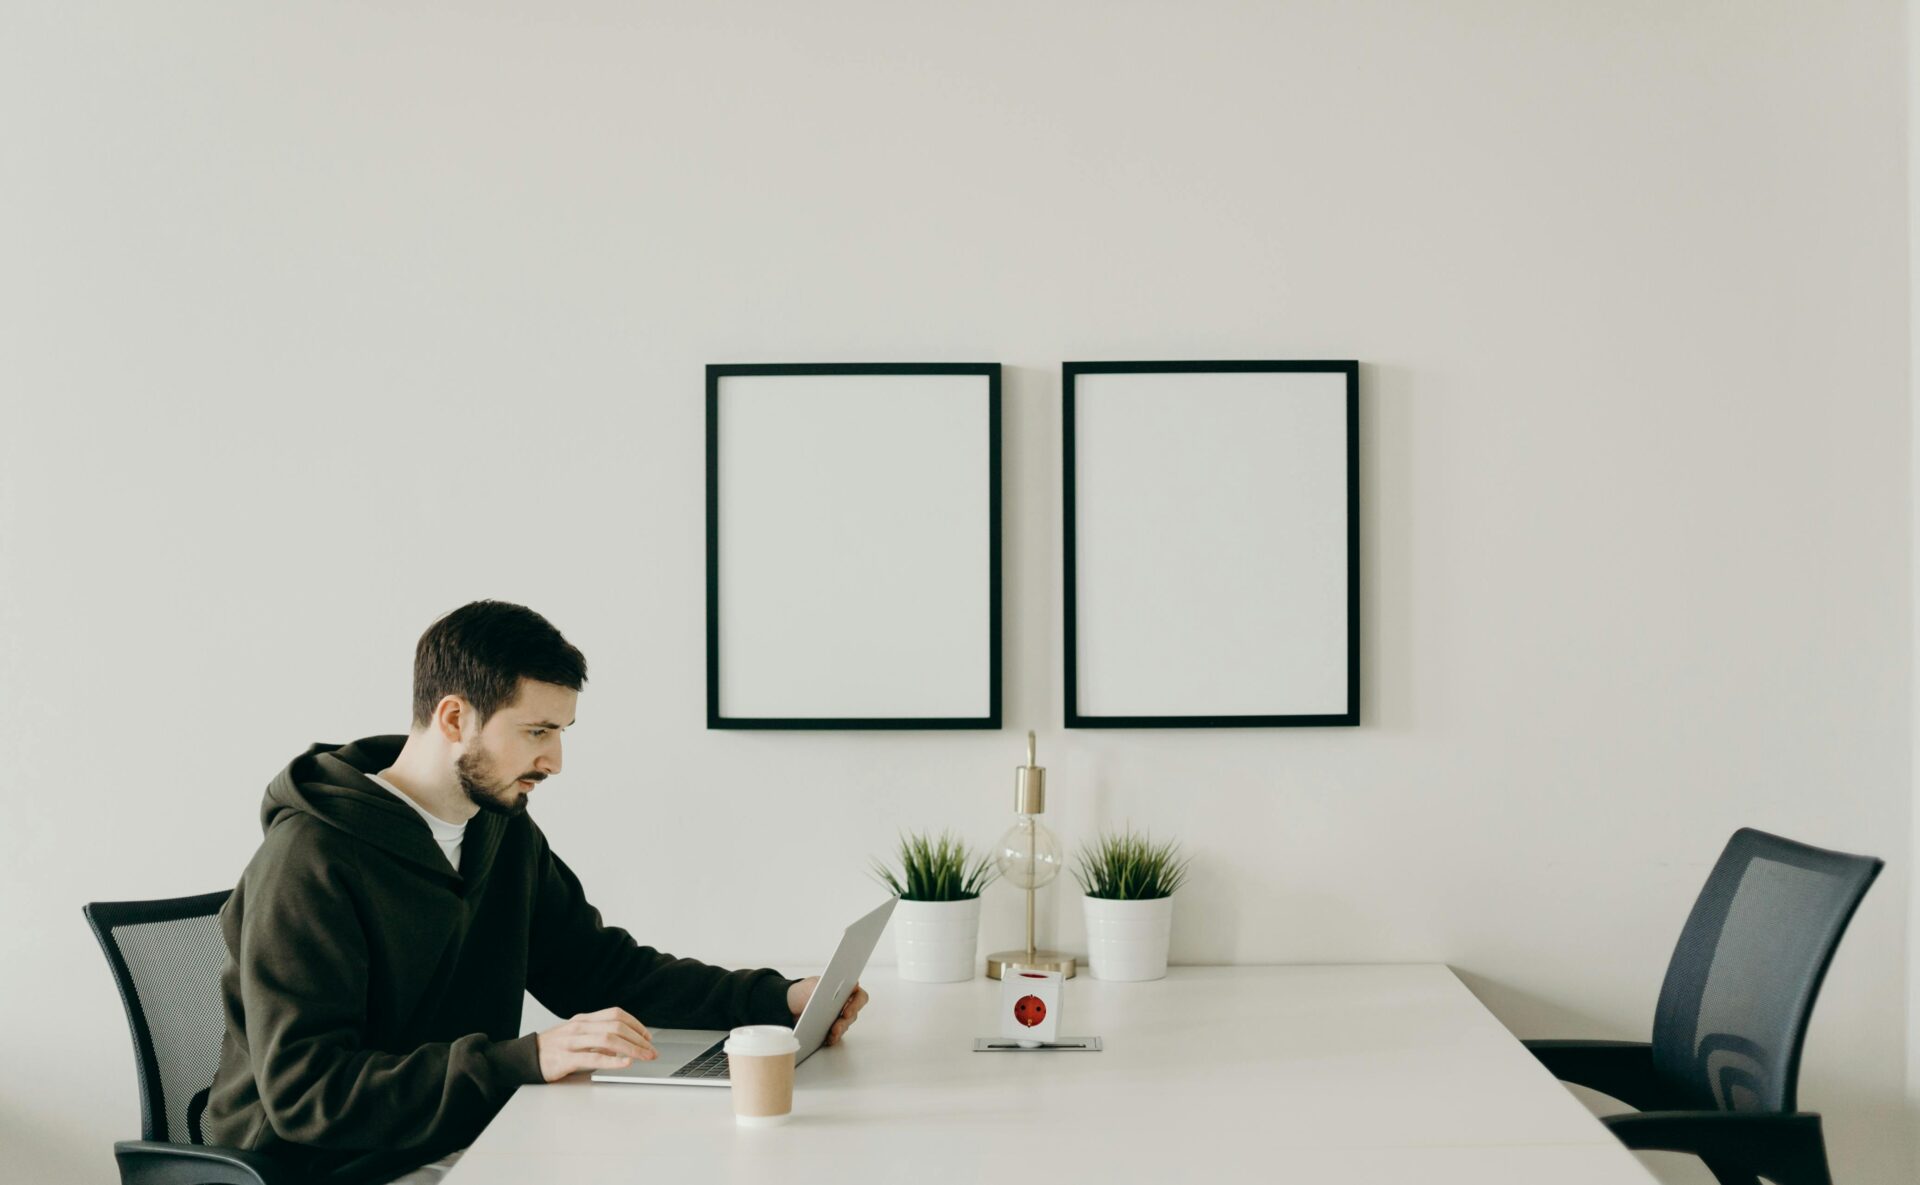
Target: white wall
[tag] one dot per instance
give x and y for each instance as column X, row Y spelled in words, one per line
column 1913, row 386
column 317, row 320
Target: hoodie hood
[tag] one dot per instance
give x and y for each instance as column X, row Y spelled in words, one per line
column 330, row 783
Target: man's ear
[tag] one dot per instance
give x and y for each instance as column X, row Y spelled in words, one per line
column 450, row 717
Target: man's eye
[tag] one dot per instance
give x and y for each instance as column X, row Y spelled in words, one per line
column 537, row 733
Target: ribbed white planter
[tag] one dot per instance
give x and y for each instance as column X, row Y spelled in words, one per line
column 1128, row 939
column 937, row 941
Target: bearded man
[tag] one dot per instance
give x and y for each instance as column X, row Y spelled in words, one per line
column 402, row 903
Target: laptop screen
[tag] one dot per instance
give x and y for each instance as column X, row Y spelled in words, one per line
column 838, row 980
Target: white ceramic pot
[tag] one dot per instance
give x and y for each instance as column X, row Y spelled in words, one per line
column 1128, row 939
column 937, row 941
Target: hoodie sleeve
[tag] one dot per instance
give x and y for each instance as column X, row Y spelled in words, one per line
column 301, row 963
column 578, row 964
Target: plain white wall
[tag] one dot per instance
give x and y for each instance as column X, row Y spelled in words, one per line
column 317, row 320
column 1913, row 383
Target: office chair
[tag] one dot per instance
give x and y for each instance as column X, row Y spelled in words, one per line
column 166, row 958
column 1718, row 1079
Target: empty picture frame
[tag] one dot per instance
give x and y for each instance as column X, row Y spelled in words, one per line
column 1212, row 544
column 853, row 546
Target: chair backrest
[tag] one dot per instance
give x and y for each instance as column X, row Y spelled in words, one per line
column 1733, row 1010
column 166, row 958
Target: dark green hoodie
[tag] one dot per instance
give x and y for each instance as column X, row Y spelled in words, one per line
column 373, row 994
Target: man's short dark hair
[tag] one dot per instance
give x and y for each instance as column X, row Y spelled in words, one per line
column 482, row 650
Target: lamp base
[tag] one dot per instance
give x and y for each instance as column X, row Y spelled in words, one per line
column 1019, row 960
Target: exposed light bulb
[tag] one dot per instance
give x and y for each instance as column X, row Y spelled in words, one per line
column 1029, row 857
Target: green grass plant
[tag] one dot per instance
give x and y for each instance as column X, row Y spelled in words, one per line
column 1123, row 866
column 935, row 868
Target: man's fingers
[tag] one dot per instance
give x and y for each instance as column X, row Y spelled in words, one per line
column 627, row 1032
column 616, row 1014
column 608, row 1039
column 848, row 1012
column 636, row 1032
column 612, row 1028
column 611, row 1043
column 625, row 1017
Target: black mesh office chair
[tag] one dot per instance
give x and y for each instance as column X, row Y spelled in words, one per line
column 1719, row 1078
column 166, row 958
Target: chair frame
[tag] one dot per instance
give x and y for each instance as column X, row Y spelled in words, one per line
column 1786, row 1146
column 154, row 1160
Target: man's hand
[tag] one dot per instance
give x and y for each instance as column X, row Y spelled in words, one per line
column 800, row 993
column 607, row 1039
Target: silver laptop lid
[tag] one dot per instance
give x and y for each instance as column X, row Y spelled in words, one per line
column 837, row 981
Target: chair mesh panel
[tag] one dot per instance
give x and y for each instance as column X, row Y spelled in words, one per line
column 175, row 967
column 1733, row 1010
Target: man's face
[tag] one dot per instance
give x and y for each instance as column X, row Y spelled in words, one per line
column 517, row 748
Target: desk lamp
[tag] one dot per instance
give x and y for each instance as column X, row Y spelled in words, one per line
column 1029, row 859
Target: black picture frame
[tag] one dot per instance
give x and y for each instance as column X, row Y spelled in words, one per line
column 1071, row 373
column 716, row 375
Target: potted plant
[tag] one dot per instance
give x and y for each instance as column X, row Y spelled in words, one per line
column 1129, row 882
column 936, row 926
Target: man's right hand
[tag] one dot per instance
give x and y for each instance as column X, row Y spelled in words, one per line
column 607, row 1039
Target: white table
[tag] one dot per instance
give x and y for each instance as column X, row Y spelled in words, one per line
column 1310, row 1074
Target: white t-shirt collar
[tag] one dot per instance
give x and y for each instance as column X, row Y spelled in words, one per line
column 447, row 835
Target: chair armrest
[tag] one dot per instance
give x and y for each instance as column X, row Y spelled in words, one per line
column 149, row 1162
column 1618, row 1069
column 1783, row 1147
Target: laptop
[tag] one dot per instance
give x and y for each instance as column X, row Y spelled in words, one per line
column 697, row 1057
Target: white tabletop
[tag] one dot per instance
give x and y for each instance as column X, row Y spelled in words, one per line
column 1314, row 1074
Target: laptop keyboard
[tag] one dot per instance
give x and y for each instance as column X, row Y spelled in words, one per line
column 711, row 1064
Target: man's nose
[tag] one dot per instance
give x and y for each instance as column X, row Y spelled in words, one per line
column 549, row 763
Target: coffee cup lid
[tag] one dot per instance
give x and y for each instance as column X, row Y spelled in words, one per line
column 762, row 1041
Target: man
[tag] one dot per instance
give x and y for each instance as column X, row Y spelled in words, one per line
column 401, row 904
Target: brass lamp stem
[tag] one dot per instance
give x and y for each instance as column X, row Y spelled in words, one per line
column 1030, row 890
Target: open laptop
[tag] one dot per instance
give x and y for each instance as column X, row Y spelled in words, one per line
column 697, row 1057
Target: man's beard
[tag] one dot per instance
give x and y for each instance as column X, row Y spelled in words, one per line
column 477, row 779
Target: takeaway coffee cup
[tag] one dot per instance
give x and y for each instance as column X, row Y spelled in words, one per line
column 760, row 1066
